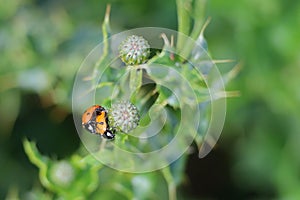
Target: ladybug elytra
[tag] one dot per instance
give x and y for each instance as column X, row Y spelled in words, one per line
column 95, row 120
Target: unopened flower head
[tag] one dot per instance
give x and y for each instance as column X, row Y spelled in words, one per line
column 124, row 116
column 134, row 50
column 62, row 173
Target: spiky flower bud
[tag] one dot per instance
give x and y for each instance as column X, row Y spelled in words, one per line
column 134, row 50
column 62, row 173
column 123, row 116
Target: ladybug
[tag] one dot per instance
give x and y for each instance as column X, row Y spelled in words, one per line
column 95, row 120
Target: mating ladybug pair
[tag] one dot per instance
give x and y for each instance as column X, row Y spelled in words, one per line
column 95, row 120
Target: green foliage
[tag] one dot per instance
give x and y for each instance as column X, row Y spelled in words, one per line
column 68, row 179
column 76, row 177
column 43, row 42
column 82, row 178
column 179, row 89
column 265, row 118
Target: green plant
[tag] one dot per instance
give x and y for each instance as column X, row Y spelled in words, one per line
column 196, row 84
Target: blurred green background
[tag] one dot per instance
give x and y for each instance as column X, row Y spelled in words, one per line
column 43, row 42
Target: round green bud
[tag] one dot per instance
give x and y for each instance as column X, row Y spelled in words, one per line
column 135, row 50
column 62, row 173
column 123, row 116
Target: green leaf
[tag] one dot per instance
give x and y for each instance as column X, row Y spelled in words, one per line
column 166, row 96
column 40, row 161
column 72, row 178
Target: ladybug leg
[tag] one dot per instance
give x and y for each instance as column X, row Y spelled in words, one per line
column 91, row 127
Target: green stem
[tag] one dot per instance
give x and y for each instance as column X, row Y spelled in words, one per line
column 183, row 21
column 184, row 10
column 171, row 183
column 106, row 34
column 106, row 30
column 199, row 11
column 135, row 81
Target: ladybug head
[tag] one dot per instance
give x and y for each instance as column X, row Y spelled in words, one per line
column 109, row 135
column 99, row 110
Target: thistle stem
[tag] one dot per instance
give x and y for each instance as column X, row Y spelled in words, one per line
column 199, row 9
column 183, row 21
column 171, row 183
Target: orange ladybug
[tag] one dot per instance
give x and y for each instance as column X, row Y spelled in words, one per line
column 95, row 120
